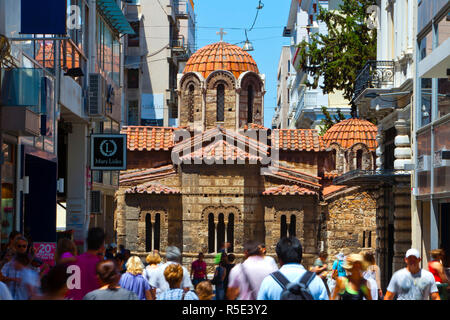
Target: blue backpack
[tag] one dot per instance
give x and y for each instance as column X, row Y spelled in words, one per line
column 294, row 290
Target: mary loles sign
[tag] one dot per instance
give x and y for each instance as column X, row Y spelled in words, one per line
column 108, row 152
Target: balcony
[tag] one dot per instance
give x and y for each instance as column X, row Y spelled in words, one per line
column 369, row 177
column 20, row 87
column 181, row 8
column 374, row 75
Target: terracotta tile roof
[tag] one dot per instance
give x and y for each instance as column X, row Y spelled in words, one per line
column 255, row 126
column 146, row 138
column 283, row 168
column 332, row 189
column 348, row 132
column 330, row 175
column 288, row 190
column 221, row 149
column 297, row 140
column 293, row 177
column 152, row 188
column 146, row 174
column 221, row 56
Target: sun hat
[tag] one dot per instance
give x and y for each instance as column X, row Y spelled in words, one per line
column 412, row 252
column 351, row 259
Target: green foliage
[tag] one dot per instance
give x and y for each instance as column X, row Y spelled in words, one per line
column 343, row 51
column 328, row 122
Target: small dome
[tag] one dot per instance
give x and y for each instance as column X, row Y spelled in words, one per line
column 221, row 56
column 351, row 131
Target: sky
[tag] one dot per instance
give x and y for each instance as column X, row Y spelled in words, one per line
column 235, row 16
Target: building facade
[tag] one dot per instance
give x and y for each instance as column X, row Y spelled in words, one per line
column 164, row 39
column 222, row 176
column 280, row 119
column 431, row 128
column 78, row 75
column 305, row 104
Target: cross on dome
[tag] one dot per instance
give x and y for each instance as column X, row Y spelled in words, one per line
column 221, row 33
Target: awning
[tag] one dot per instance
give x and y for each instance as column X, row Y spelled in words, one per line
column 132, row 62
column 115, row 16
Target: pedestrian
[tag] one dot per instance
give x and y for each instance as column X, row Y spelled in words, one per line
column 229, row 258
column 373, row 272
column 153, row 260
column 66, row 251
column 4, row 292
column 173, row 256
column 10, row 250
column 320, row 267
column 337, row 269
column 119, row 259
column 436, row 267
column 134, row 281
column 290, row 252
column 121, row 249
column 219, row 278
column 204, row 290
column 109, row 277
column 198, row 270
column 23, row 282
column 87, row 263
column 412, row 282
column 245, row 278
column 54, row 283
column 173, row 275
column 267, row 258
column 353, row 286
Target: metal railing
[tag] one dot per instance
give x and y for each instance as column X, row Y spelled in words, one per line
column 366, row 176
column 375, row 74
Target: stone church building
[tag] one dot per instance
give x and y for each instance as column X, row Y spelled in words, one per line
column 222, row 176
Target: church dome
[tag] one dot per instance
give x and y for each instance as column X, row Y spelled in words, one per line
column 221, row 56
column 348, row 132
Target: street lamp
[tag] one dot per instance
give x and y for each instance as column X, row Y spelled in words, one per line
column 248, row 46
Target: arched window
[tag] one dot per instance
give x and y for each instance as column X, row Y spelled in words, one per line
column 292, row 226
column 359, row 155
column 191, row 103
column 220, row 102
column 250, row 97
column 220, row 232
column 230, row 232
column 283, row 227
column 211, row 233
column 333, row 159
column 157, row 232
column 148, row 233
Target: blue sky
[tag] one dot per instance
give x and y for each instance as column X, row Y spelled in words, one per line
column 266, row 35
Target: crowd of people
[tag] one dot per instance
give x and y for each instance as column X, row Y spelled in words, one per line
column 113, row 273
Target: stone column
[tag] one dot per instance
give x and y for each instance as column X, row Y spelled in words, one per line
column 380, row 149
column 402, row 143
column 382, row 222
column 120, row 218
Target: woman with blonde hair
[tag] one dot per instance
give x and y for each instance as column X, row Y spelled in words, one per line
column 153, row 260
column 133, row 280
column 353, row 286
column 373, row 271
column 174, row 275
column 204, row 290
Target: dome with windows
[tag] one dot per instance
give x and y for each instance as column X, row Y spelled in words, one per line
column 221, row 56
column 351, row 131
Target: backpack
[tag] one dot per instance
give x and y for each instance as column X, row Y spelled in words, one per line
column 294, row 290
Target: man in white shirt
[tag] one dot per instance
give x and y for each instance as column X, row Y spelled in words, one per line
column 412, row 283
column 157, row 279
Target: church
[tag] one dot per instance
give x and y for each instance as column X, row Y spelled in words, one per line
column 221, row 176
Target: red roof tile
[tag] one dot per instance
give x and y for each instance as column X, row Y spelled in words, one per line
column 146, row 174
column 297, row 140
column 332, row 189
column 288, row 190
column 348, row 132
column 146, row 138
column 151, row 188
column 221, row 56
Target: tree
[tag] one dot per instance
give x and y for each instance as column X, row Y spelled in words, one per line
column 343, row 51
column 328, row 122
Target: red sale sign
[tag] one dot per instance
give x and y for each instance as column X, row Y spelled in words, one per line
column 46, row 252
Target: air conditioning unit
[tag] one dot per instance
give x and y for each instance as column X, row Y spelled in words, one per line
column 423, row 163
column 97, row 95
column 96, row 201
column 442, row 158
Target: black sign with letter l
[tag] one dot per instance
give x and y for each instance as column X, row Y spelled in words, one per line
column 109, row 152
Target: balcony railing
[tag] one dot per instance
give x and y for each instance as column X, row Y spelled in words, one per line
column 369, row 177
column 374, row 74
column 180, row 7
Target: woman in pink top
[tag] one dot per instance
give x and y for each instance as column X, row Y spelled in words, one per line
column 66, row 251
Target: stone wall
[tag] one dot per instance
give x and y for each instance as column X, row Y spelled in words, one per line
column 346, row 217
